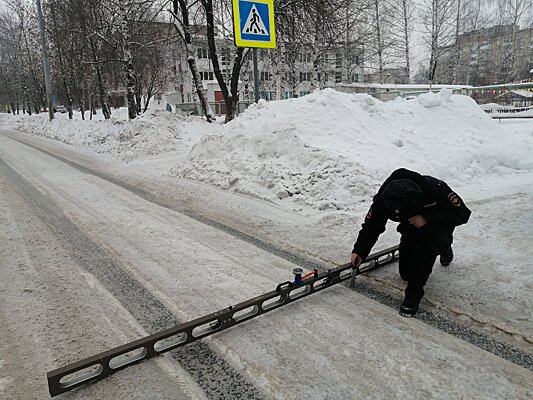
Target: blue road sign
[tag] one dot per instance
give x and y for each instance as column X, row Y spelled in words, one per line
column 253, row 23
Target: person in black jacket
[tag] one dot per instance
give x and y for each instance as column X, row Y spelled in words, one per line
column 428, row 212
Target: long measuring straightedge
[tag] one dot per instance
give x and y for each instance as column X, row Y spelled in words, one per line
column 107, row 363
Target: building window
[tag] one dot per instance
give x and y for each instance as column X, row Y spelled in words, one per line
column 225, row 60
column 338, row 60
column 288, row 94
column 304, row 92
column 267, row 95
column 305, row 57
column 326, row 58
column 188, row 97
column 202, row 52
column 338, row 77
column 206, row 76
column 305, row 76
column 266, row 76
column 355, row 77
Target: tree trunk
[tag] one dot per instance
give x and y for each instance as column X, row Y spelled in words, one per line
column 92, row 109
column 27, row 103
column 103, row 97
column 457, row 50
column 33, row 75
column 406, row 38
column 378, row 40
column 66, row 86
column 432, row 57
column 235, row 73
column 138, row 94
column 127, row 60
column 149, row 94
column 81, row 98
column 229, row 98
column 183, row 29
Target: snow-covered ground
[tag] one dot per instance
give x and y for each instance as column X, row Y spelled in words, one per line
column 314, row 163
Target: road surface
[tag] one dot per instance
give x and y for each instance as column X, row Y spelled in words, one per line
column 90, row 261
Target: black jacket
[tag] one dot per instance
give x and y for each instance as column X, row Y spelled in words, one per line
column 443, row 209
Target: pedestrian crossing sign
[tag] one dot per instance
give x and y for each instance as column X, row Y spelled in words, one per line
column 253, row 23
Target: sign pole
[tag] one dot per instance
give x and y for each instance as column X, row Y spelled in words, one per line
column 253, row 27
column 256, row 76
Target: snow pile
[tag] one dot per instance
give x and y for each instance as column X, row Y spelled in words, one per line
column 276, row 165
column 331, row 150
column 152, row 133
column 327, row 150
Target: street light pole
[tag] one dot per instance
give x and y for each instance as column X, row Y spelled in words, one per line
column 46, row 65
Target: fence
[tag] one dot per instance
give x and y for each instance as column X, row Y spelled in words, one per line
column 218, row 107
column 504, row 93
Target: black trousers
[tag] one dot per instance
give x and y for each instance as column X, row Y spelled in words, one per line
column 419, row 248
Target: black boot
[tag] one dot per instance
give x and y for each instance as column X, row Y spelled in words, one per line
column 446, row 257
column 409, row 307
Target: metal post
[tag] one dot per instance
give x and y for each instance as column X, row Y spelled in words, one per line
column 46, row 65
column 256, row 75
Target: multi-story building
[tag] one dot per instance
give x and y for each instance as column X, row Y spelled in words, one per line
column 498, row 54
column 283, row 73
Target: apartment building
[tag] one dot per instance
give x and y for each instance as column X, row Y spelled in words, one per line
column 284, row 72
column 493, row 55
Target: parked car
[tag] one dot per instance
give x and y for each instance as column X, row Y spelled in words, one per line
column 61, row 109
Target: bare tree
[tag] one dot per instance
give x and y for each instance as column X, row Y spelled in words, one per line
column 379, row 35
column 57, row 41
column 457, row 50
column 29, row 59
column 127, row 58
column 152, row 61
column 437, row 16
column 180, row 12
column 231, row 97
column 289, row 31
column 10, row 88
column 403, row 24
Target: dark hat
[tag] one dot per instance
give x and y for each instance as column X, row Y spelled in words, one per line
column 402, row 197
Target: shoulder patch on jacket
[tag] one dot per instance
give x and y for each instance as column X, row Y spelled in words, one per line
column 454, row 199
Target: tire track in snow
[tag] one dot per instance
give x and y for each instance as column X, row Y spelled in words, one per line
column 437, row 320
